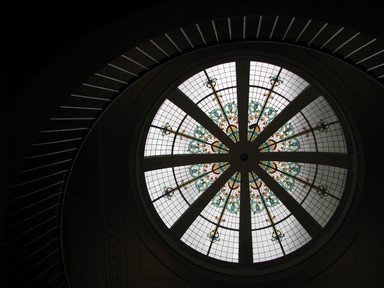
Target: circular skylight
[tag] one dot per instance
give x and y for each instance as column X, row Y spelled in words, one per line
column 245, row 162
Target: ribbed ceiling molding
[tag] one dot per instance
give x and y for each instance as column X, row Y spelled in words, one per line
column 32, row 220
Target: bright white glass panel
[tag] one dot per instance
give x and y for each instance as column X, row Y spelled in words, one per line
column 231, row 217
column 264, row 248
column 225, row 75
column 158, row 180
column 295, row 235
column 227, row 248
column 296, row 188
column 332, row 139
column 227, row 96
column 322, row 207
column 194, row 189
column 211, row 107
column 274, row 105
column 171, row 209
column 259, row 217
column 296, row 125
column 158, row 142
column 197, row 235
column 291, row 85
column 195, row 87
column 260, row 72
column 185, row 145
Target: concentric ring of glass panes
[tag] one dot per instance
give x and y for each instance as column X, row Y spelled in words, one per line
column 278, row 200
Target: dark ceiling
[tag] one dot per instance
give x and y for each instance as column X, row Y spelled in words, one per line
column 38, row 38
column 39, row 34
column 49, row 49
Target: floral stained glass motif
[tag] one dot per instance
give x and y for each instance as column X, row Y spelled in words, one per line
column 237, row 143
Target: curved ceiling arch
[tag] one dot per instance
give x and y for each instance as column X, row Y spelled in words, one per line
column 42, row 179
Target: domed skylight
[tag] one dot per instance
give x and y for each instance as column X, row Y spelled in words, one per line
column 245, row 162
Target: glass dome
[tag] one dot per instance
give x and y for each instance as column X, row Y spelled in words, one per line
column 245, row 162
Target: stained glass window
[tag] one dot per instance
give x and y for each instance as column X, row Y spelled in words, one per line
column 245, row 152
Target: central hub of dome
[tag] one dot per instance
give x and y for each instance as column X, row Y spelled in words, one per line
column 244, row 156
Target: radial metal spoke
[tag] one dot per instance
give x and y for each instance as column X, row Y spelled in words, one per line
column 321, row 158
column 174, row 160
column 307, row 96
column 305, row 219
column 242, row 80
column 245, row 236
column 186, row 219
column 188, row 106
